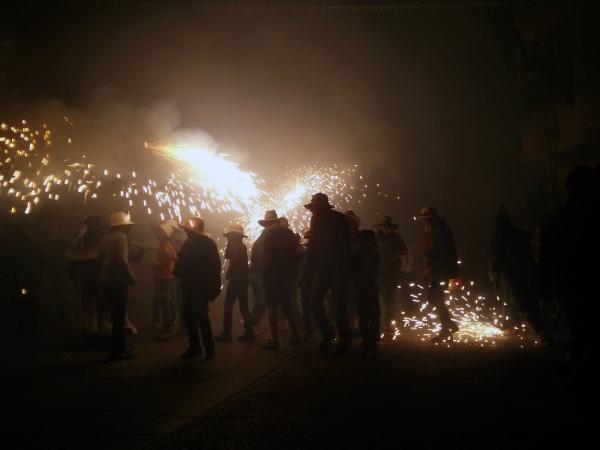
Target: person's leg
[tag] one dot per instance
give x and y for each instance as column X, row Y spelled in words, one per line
column 307, row 307
column 338, row 294
column 374, row 318
column 190, row 316
column 319, row 291
column 230, row 297
column 157, row 302
column 243, row 303
column 362, row 307
column 205, row 326
column 290, row 311
column 117, row 293
column 436, row 299
column 167, row 303
column 258, row 311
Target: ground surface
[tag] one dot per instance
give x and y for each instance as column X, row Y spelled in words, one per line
column 413, row 395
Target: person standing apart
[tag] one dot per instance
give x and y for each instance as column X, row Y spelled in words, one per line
column 198, row 265
column 329, row 253
column 440, row 265
column 237, row 287
column 115, row 278
column 279, row 276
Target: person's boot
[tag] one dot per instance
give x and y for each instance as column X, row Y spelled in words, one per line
column 210, row 353
column 271, row 345
column 224, row 338
column 192, row 352
column 248, row 335
column 343, row 347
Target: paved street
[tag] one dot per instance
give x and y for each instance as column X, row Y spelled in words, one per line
column 60, row 396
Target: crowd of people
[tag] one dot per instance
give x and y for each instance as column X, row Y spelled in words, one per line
column 335, row 280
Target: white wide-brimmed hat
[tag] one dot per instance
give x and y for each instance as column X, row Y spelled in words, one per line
column 235, row 230
column 119, row 218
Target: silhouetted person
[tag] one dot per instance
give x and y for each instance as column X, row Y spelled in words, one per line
column 198, row 266
column 569, row 261
column 237, row 286
column 365, row 271
column 115, row 277
column 83, row 270
column 513, row 271
column 439, row 265
column 392, row 250
column 305, row 287
column 165, row 283
column 329, row 252
column 256, row 285
column 279, row 276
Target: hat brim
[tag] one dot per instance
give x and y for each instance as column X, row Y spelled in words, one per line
column 236, row 233
column 185, row 227
column 264, row 223
column 128, row 224
column 310, row 206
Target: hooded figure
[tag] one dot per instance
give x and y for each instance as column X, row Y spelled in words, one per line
column 198, row 266
column 237, row 287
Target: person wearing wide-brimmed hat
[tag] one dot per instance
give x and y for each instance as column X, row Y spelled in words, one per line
column 329, row 253
column 198, row 265
column 440, row 264
column 165, row 283
column 82, row 255
column 237, row 282
column 279, row 276
column 115, row 277
column 392, row 252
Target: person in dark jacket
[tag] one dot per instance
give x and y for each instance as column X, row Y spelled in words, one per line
column 392, row 250
column 256, row 286
column 198, row 266
column 569, row 265
column 512, row 271
column 279, row 276
column 440, row 264
column 305, row 287
column 237, row 286
column 365, row 270
column 329, row 252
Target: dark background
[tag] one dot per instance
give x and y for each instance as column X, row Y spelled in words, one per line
column 420, row 97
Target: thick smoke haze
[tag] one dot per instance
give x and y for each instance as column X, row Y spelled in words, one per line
column 421, row 100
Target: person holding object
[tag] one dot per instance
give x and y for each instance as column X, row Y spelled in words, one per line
column 198, row 266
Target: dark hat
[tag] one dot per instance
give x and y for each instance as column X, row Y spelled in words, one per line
column 235, row 230
column 270, row 217
column 195, row 225
column 319, row 199
column 387, row 222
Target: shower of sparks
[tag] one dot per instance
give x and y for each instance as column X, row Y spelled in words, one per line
column 481, row 321
column 295, row 189
column 213, row 173
column 203, row 181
